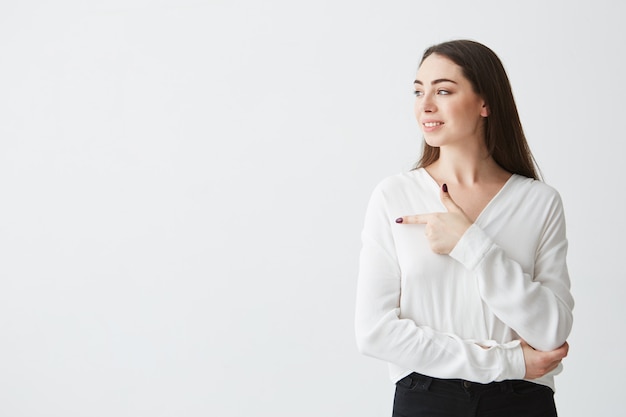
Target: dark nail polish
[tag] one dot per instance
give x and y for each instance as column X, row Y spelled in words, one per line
column 444, row 188
column 399, row 220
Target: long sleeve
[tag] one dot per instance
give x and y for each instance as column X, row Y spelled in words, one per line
column 382, row 332
column 537, row 305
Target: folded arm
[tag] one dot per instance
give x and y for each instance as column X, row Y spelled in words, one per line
column 538, row 306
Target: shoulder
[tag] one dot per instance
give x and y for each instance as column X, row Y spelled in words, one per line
column 401, row 183
column 536, row 196
column 536, row 189
column 396, row 191
column 407, row 192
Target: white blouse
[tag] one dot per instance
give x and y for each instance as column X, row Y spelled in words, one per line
column 461, row 315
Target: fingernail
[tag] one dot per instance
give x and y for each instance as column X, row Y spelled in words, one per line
column 444, row 188
column 399, row 220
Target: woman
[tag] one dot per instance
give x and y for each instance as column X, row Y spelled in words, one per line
column 463, row 284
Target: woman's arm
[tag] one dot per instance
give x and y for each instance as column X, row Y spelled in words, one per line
column 540, row 363
column 537, row 307
column 381, row 333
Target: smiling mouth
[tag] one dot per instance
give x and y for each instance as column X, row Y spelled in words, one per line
column 432, row 124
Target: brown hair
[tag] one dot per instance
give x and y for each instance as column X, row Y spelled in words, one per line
column 504, row 135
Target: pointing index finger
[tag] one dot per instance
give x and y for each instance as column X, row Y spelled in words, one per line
column 413, row 219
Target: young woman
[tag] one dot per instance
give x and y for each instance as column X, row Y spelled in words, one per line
column 463, row 285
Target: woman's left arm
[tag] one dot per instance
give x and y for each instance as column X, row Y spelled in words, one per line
column 538, row 306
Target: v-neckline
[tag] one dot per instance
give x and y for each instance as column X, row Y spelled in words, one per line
column 489, row 203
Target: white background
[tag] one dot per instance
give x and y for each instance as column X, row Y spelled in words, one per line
column 183, row 183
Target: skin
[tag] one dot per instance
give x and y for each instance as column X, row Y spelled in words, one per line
column 451, row 116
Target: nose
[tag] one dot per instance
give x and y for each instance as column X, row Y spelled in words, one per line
column 426, row 104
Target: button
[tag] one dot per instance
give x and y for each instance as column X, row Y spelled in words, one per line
column 467, row 384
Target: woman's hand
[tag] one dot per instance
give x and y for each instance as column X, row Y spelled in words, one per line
column 540, row 363
column 443, row 230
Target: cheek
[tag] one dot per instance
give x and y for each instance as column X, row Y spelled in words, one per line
column 467, row 115
column 416, row 112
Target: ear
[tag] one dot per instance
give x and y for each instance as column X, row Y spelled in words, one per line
column 484, row 111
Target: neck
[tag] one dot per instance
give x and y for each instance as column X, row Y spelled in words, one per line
column 466, row 166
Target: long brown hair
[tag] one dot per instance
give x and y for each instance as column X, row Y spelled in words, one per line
column 504, row 135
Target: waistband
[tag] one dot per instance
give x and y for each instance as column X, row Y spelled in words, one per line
column 424, row 383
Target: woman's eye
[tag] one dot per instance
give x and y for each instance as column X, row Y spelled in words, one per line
column 443, row 92
column 418, row 93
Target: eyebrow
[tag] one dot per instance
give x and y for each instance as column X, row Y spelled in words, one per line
column 437, row 81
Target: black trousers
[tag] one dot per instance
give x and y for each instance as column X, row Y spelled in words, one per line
column 422, row 396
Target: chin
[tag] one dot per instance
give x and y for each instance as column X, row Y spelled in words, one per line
column 432, row 142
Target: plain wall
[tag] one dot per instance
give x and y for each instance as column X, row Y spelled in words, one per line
column 183, row 184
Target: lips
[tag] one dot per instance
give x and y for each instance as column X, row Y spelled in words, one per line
column 429, row 126
column 432, row 124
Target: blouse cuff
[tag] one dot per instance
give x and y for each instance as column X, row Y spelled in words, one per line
column 515, row 367
column 472, row 247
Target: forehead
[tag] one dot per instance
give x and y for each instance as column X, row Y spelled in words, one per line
column 437, row 67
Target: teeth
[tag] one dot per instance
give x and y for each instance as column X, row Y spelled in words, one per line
column 432, row 124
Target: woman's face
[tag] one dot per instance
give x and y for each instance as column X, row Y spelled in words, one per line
column 447, row 109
